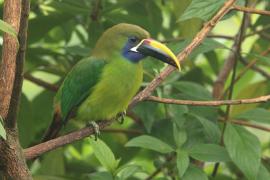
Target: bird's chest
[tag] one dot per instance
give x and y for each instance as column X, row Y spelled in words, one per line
column 119, row 82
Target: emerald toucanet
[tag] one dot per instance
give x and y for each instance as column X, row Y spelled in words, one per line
column 102, row 85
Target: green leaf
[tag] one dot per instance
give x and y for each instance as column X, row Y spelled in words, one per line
column 49, row 177
column 182, row 162
column 263, row 59
column 25, row 117
column 71, row 7
column 249, row 90
column 194, row 173
column 148, row 118
column 180, row 135
column 192, row 90
column 104, row 154
column 2, row 129
column 263, row 173
column 101, row 176
column 211, row 130
column 202, row 9
column 126, row 171
column 39, row 27
column 257, row 114
column 5, row 27
column 206, row 46
column 209, row 153
column 149, row 142
column 41, row 116
column 212, row 60
column 56, row 168
column 244, row 149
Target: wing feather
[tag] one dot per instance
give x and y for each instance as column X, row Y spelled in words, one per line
column 78, row 84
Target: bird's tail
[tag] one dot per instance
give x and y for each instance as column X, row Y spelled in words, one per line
column 54, row 128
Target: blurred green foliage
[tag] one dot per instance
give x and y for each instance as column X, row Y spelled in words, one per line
column 173, row 137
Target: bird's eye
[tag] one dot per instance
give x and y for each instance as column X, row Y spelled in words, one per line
column 132, row 39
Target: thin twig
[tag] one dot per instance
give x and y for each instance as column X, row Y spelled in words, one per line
column 41, row 83
column 96, row 10
column 250, row 65
column 233, row 58
column 245, row 123
column 256, row 32
column 251, row 10
column 255, row 68
column 210, row 103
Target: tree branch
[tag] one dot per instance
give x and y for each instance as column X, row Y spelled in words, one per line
column 11, row 15
column 12, row 161
column 228, row 64
column 210, row 103
column 41, row 83
column 245, row 123
column 251, row 10
column 219, row 85
column 250, row 65
column 255, row 68
column 39, row 149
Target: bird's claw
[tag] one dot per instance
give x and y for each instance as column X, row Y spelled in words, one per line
column 121, row 117
column 95, row 126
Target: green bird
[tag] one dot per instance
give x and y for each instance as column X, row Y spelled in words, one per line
column 101, row 86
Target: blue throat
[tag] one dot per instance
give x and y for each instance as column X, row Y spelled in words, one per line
column 134, row 57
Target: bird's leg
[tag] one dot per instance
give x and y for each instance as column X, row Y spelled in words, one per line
column 95, row 126
column 120, row 117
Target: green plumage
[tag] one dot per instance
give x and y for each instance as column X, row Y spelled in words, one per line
column 102, row 85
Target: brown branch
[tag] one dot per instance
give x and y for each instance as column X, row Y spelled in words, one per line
column 219, row 85
column 66, row 139
column 256, row 68
column 39, row 149
column 256, row 32
column 12, row 161
column 12, row 10
column 210, row 103
column 185, row 53
column 250, row 65
column 245, row 123
column 251, row 10
column 227, row 67
column 96, row 10
column 41, row 83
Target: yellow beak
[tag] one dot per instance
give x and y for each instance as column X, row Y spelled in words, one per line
column 153, row 48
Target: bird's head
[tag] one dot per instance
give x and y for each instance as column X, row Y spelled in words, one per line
column 133, row 43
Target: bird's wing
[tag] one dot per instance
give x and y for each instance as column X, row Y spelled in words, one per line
column 78, row 84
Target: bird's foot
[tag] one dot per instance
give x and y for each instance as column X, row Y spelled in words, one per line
column 95, row 126
column 120, row 117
